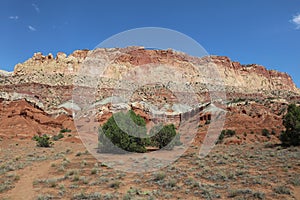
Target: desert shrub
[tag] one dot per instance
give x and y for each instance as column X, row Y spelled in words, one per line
column 295, row 180
column 78, row 154
column 7, row 185
column 165, row 136
column 42, row 141
column 82, row 195
column 171, row 183
column 282, row 190
column 126, row 131
column 221, row 137
column 230, row 133
column 265, row 133
column 65, row 130
column 94, row 171
column 291, row 121
column 225, row 134
column 237, row 192
column 159, row 176
column 259, row 195
column 58, row 136
column 44, row 197
column 115, row 184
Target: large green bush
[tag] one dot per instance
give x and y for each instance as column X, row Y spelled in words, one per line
column 291, row 121
column 126, row 131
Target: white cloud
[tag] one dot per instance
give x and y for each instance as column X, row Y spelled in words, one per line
column 31, row 28
column 14, row 17
column 37, row 9
column 296, row 21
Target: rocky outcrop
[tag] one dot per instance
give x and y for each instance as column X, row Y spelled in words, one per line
column 61, row 64
column 22, row 119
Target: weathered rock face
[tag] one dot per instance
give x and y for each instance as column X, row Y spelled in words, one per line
column 61, row 64
column 23, row 119
column 237, row 78
column 252, row 78
column 47, row 81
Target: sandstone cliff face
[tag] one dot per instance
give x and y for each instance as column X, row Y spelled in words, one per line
column 49, row 65
column 48, row 83
column 49, row 79
column 253, row 78
column 239, row 78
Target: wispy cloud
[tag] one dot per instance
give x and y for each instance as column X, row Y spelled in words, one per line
column 37, row 9
column 31, row 28
column 296, row 21
column 14, row 17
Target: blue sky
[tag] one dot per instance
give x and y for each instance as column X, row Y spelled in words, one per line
column 265, row 32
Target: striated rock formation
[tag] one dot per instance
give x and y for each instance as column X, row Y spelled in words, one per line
column 23, row 119
column 253, row 77
column 239, row 80
column 47, row 82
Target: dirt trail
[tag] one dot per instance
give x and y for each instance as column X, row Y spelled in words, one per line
column 24, row 187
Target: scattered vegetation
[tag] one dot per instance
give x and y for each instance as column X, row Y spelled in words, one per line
column 223, row 174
